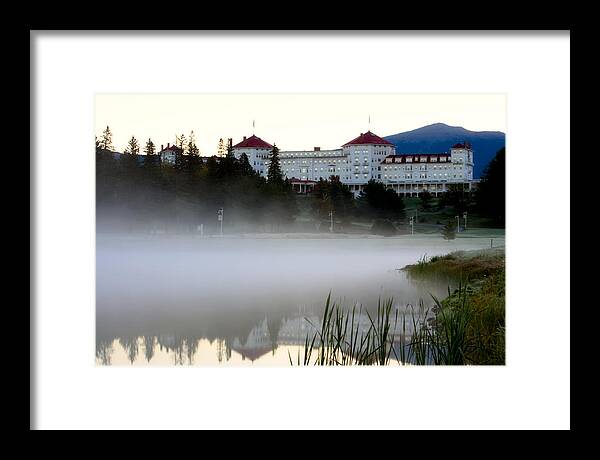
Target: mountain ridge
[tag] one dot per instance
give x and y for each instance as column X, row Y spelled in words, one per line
column 439, row 137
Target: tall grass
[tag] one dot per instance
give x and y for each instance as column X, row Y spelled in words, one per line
column 339, row 340
column 456, row 331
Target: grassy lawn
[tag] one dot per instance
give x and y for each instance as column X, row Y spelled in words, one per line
column 429, row 222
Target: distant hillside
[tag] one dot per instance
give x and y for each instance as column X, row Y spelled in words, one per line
column 439, row 137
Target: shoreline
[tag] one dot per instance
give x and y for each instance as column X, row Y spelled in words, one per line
column 297, row 236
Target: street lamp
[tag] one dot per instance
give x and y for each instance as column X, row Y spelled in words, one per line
column 220, row 218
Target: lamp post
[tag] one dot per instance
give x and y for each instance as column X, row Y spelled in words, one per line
column 220, row 218
column 465, row 218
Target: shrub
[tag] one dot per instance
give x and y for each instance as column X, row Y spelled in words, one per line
column 448, row 231
column 383, row 227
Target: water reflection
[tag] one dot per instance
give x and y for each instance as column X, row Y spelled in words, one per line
column 268, row 336
column 240, row 302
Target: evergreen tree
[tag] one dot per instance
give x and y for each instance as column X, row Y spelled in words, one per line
column 274, row 174
column 221, row 149
column 150, row 149
column 106, row 140
column 133, row 148
column 383, row 227
column 455, row 196
column 192, row 149
column 193, row 160
column 448, row 231
column 229, row 149
column 332, row 195
column 425, row 199
column 375, row 200
column 244, row 165
column 180, row 141
column 490, row 195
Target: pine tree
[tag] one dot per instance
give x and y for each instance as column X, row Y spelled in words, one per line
column 221, row 150
column 192, row 149
column 149, row 149
column 244, row 165
column 490, row 194
column 229, row 153
column 133, row 148
column 448, row 231
column 274, row 174
column 378, row 201
column 106, row 140
column 180, row 141
column 425, row 198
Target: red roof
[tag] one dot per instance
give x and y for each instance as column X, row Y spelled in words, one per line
column 253, row 142
column 173, row 147
column 368, row 138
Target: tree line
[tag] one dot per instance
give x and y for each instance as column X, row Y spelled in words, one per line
column 137, row 191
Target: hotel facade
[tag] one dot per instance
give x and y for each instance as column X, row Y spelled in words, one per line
column 366, row 157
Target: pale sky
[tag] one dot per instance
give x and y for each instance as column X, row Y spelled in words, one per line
column 292, row 121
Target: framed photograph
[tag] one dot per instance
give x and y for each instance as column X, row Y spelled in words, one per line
column 259, row 228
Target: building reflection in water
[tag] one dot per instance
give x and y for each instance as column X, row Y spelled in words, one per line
column 269, row 332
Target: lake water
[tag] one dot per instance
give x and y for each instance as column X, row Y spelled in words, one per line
column 168, row 300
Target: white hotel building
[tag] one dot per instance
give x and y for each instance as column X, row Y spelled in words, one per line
column 364, row 158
